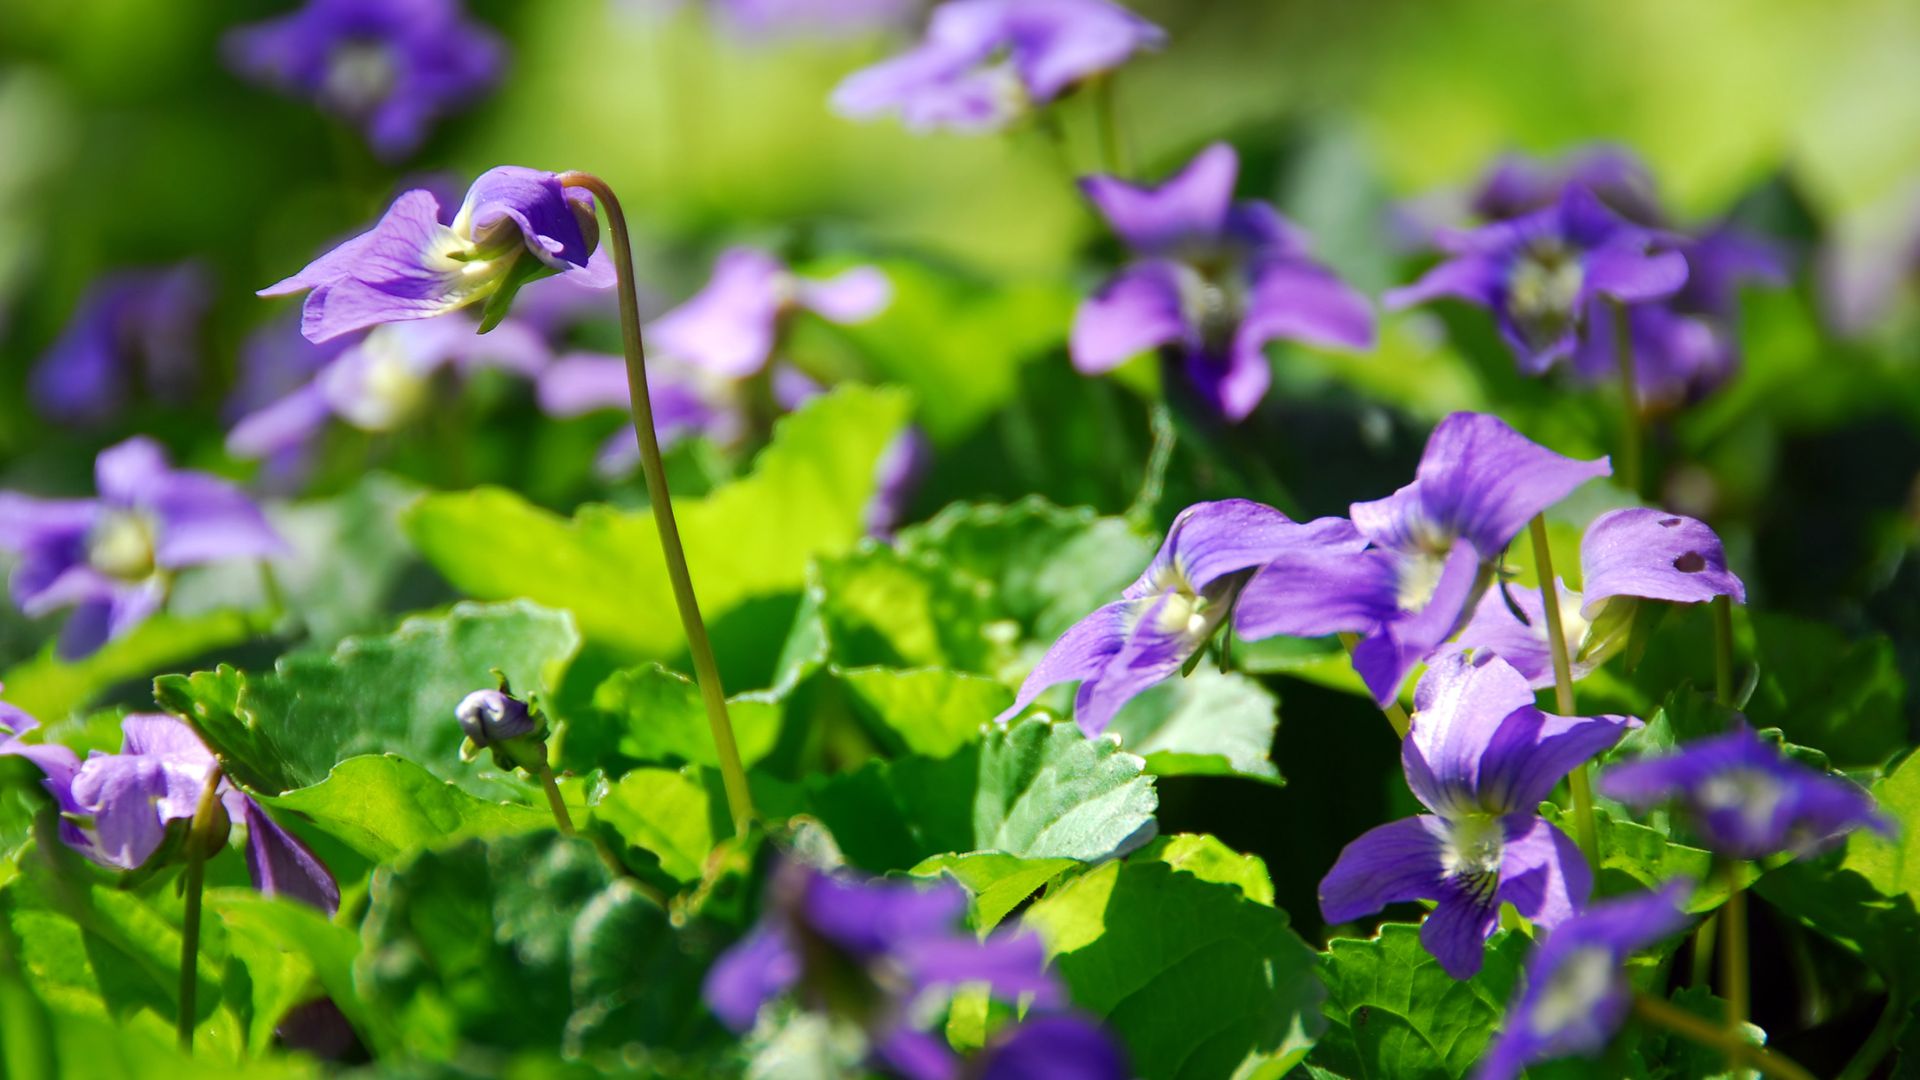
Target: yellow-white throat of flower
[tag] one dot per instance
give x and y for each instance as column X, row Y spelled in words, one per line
column 121, row 545
column 1577, row 986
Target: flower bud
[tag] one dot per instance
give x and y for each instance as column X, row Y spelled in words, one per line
column 490, row 717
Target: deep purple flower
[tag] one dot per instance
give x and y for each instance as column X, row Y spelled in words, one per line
column 1215, row 282
column 733, row 326
column 133, row 333
column 1060, row 1046
column 1175, row 607
column 1482, row 757
column 1653, row 555
column 391, row 67
column 1518, row 185
column 384, row 380
column 516, row 224
column 1432, row 548
column 1576, row 994
column 1745, row 798
column 1541, row 273
column 985, row 63
column 118, row 806
column 865, row 951
column 110, row 558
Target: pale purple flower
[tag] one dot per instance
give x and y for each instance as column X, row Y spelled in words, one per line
column 1059, row 1046
column 111, row 558
column 517, row 224
column 985, row 63
column 385, row 379
column 1481, row 756
column 1576, row 993
column 134, row 333
column 866, row 951
column 1432, row 548
column 1215, row 281
column 118, row 807
column 1541, row 273
column 1521, row 639
column 897, row 475
column 686, row 402
column 1175, row 607
column 733, row 326
column 1870, row 262
column 782, row 19
column 1745, row 799
column 390, row 67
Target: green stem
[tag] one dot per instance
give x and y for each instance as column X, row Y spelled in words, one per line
column 1723, row 650
column 1113, row 151
column 1703, row 938
column 1631, row 436
column 706, row 669
column 560, row 816
column 1733, row 958
column 1663, row 1013
column 1165, row 437
column 1583, row 824
column 199, row 839
column 1395, row 715
column 1880, row 1041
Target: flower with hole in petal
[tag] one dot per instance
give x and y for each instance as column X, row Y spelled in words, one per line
column 1576, row 994
column 118, row 807
column 985, row 63
column 865, row 953
column 390, row 67
column 1215, row 281
column 1481, row 756
column 516, row 225
column 1432, row 548
column 1175, row 607
column 1541, row 273
column 1745, row 799
column 111, row 558
column 384, row 380
column 135, row 332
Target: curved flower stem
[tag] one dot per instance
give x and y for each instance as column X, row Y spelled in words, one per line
column 1733, row 956
column 1630, row 433
column 1583, row 824
column 560, row 816
column 706, row 669
column 1663, row 1013
column 1165, row 437
column 198, row 840
column 1395, row 715
column 1723, row 650
column 1880, row 1041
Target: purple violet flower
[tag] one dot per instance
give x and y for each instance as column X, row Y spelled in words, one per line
column 111, row 558
column 686, row 402
column 118, row 806
column 733, row 326
column 1541, row 273
column 761, row 20
column 985, row 63
column 1518, row 185
column 866, row 951
column 133, row 332
column 391, row 67
column 1494, row 628
column 1059, row 1046
column 1432, row 546
column 1653, row 555
column 1482, row 757
column 1745, row 798
column 516, row 225
column 1175, row 607
column 383, row 380
column 1215, row 282
column 1577, row 994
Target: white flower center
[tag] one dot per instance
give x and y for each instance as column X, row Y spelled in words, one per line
column 360, row 75
column 1474, row 846
column 1754, row 794
column 1543, row 288
column 121, row 545
column 1212, row 302
column 1420, row 579
column 391, row 388
column 1574, row 990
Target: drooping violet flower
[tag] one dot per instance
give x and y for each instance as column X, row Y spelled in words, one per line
column 1432, row 548
column 1215, row 281
column 1541, row 273
column 121, row 805
column 985, row 63
column 1175, row 607
column 733, row 326
column 864, row 952
column 1576, row 993
column 1481, row 756
column 1495, row 628
column 1745, row 799
column 134, row 333
column 385, row 379
column 1649, row 554
column 517, row 224
column 390, row 67
column 111, row 558
column 1059, row 1046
